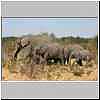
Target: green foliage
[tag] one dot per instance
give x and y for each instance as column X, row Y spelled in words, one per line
column 44, row 34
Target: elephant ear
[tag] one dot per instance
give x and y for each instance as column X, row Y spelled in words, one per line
column 25, row 41
column 25, row 45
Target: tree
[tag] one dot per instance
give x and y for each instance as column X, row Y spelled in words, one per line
column 45, row 34
column 52, row 36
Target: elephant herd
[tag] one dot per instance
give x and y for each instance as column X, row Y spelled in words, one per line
column 53, row 53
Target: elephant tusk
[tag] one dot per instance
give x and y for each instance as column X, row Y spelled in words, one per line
column 66, row 62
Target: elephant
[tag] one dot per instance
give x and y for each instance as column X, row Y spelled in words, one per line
column 87, row 55
column 82, row 55
column 24, row 53
column 36, row 57
column 27, row 50
column 76, row 55
column 41, row 49
column 20, row 47
column 51, row 52
column 69, row 49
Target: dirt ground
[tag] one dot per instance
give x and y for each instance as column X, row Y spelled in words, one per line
column 50, row 72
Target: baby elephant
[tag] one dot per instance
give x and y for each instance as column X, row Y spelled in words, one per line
column 82, row 55
column 71, row 50
column 87, row 56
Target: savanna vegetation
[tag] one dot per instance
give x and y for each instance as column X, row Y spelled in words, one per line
column 15, row 70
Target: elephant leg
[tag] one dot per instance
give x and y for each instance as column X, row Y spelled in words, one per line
column 69, row 61
column 62, row 61
column 55, row 61
column 49, row 61
column 65, row 60
column 80, row 62
column 42, row 60
column 46, row 58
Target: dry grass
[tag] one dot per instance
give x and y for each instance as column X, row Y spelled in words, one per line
column 49, row 72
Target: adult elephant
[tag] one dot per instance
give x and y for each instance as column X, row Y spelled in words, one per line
column 69, row 49
column 19, row 47
column 51, row 51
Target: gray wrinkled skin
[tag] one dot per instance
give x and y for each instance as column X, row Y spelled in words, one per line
column 69, row 49
column 44, row 53
column 77, row 55
column 82, row 55
column 24, row 53
column 20, row 45
column 86, row 55
column 51, row 51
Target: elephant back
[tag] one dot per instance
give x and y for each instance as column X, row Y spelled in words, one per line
column 70, row 48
